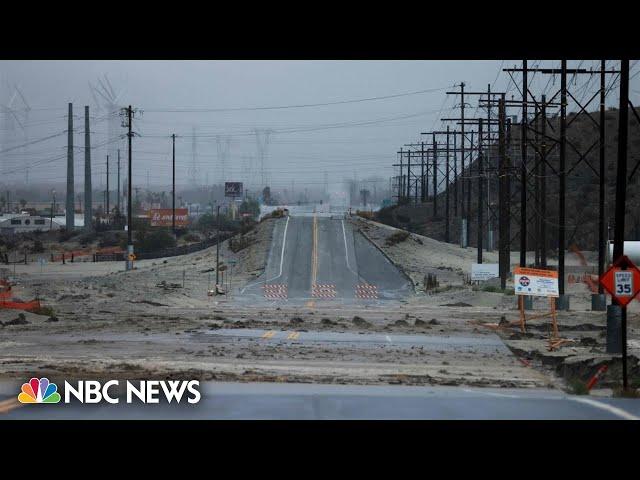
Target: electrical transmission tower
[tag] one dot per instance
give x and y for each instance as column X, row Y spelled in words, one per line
column 223, row 145
column 106, row 99
column 262, row 143
column 193, row 169
column 14, row 121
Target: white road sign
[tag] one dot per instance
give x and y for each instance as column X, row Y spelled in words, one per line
column 484, row 271
column 624, row 283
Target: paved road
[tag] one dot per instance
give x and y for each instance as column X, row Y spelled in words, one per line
column 262, row 401
column 319, row 258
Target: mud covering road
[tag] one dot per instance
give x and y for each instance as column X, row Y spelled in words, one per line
column 159, row 322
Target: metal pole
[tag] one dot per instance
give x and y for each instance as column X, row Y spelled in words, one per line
column 108, row 209
column 601, row 225
column 408, row 175
column 536, row 195
column 503, row 208
column 435, row 176
column 562, row 173
column 455, row 174
column 621, row 194
column 173, row 184
column 88, row 200
column 217, row 248
column 118, row 202
column 462, row 142
column 523, row 170
column 70, row 217
column 543, row 185
column 480, row 190
column 129, row 202
column 422, row 195
column 446, row 227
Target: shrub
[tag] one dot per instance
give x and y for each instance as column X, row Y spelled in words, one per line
column 191, row 237
column 37, row 247
column 149, row 241
column 397, row 237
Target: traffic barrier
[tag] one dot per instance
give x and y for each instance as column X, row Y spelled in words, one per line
column 323, row 291
column 28, row 306
column 599, row 374
column 367, row 291
column 275, row 290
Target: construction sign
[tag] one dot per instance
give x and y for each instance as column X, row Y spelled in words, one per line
column 535, row 282
column 163, row 217
column 622, row 280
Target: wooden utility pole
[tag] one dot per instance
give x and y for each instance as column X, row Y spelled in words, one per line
column 173, row 183
column 108, row 196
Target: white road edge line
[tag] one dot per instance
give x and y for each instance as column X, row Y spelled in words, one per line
column 388, row 339
column 284, row 241
column 346, row 251
column 492, row 394
column 605, row 406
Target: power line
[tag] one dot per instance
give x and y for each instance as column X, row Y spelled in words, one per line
column 282, row 107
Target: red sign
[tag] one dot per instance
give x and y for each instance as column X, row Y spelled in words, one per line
column 622, row 280
column 162, row 217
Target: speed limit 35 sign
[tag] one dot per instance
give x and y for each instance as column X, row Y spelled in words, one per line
column 622, row 280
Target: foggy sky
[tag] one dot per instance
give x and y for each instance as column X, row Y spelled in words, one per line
column 326, row 144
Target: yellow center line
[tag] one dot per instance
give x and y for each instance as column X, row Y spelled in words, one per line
column 269, row 334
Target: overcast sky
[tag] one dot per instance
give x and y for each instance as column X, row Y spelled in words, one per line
column 358, row 138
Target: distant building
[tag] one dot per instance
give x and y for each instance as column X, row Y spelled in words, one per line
column 23, row 222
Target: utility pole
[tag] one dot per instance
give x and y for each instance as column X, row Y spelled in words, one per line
column 217, row 248
column 88, row 191
column 408, row 175
column 480, row 190
column 523, row 169
column 543, row 184
column 119, row 211
column 446, row 227
column 504, row 235
column 70, row 211
column 435, row 177
column 108, row 209
column 173, row 184
column 423, row 197
column 129, row 264
column 621, row 195
column 455, row 175
column 601, row 302
column 562, row 300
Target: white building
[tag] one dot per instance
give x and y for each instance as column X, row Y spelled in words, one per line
column 21, row 222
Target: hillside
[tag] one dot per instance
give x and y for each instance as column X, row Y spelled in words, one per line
column 581, row 193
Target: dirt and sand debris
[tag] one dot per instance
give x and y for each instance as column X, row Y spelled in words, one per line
column 360, row 322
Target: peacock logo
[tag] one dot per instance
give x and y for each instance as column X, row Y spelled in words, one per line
column 39, row 391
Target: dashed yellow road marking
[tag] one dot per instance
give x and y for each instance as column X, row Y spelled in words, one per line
column 269, row 334
column 293, row 336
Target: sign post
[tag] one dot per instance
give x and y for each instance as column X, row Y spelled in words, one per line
column 539, row 283
column 622, row 281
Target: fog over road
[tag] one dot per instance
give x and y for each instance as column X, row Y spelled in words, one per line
column 318, row 258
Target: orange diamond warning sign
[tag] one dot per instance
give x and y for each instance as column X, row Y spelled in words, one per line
column 622, row 280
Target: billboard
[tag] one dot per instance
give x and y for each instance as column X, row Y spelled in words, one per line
column 232, row 189
column 535, row 282
column 162, row 217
